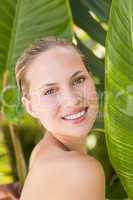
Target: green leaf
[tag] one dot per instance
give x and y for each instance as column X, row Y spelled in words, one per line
column 116, row 191
column 100, row 8
column 119, row 91
column 22, row 23
column 85, row 21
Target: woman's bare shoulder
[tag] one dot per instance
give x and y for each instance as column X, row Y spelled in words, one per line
column 78, row 174
column 87, row 161
column 86, row 164
column 35, row 153
column 82, row 165
column 75, row 159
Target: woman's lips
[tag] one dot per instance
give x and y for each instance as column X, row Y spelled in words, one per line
column 77, row 120
column 79, row 110
column 74, row 111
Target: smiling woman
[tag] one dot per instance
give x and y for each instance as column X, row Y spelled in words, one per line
column 58, row 90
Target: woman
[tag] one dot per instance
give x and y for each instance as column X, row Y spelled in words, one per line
column 58, row 90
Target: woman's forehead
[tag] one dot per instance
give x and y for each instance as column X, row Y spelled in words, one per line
column 56, row 55
column 55, row 63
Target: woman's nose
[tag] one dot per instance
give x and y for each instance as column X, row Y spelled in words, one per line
column 71, row 99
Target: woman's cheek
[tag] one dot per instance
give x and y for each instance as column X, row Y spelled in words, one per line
column 49, row 105
column 49, row 102
column 91, row 95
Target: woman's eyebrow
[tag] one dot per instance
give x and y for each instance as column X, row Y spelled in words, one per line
column 51, row 84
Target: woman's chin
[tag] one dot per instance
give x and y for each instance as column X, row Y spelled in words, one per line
column 76, row 127
column 70, row 133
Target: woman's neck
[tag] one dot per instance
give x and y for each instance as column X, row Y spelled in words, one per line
column 65, row 143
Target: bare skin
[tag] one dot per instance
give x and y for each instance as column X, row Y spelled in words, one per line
column 55, row 170
column 60, row 157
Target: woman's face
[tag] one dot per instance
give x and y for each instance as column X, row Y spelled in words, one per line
column 58, row 79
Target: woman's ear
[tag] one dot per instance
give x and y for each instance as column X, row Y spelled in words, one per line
column 28, row 106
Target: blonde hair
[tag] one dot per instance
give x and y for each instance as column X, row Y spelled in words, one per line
column 30, row 53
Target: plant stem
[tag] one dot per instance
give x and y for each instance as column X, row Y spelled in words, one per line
column 20, row 161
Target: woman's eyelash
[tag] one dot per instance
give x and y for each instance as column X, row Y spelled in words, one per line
column 47, row 92
column 80, row 78
column 52, row 89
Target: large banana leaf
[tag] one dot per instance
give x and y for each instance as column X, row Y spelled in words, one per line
column 119, row 91
column 21, row 23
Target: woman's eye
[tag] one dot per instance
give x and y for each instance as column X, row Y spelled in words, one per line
column 52, row 90
column 48, row 92
column 80, row 80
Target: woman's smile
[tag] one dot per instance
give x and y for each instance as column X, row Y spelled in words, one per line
column 76, row 117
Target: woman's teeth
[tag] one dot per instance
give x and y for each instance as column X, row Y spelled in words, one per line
column 75, row 116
